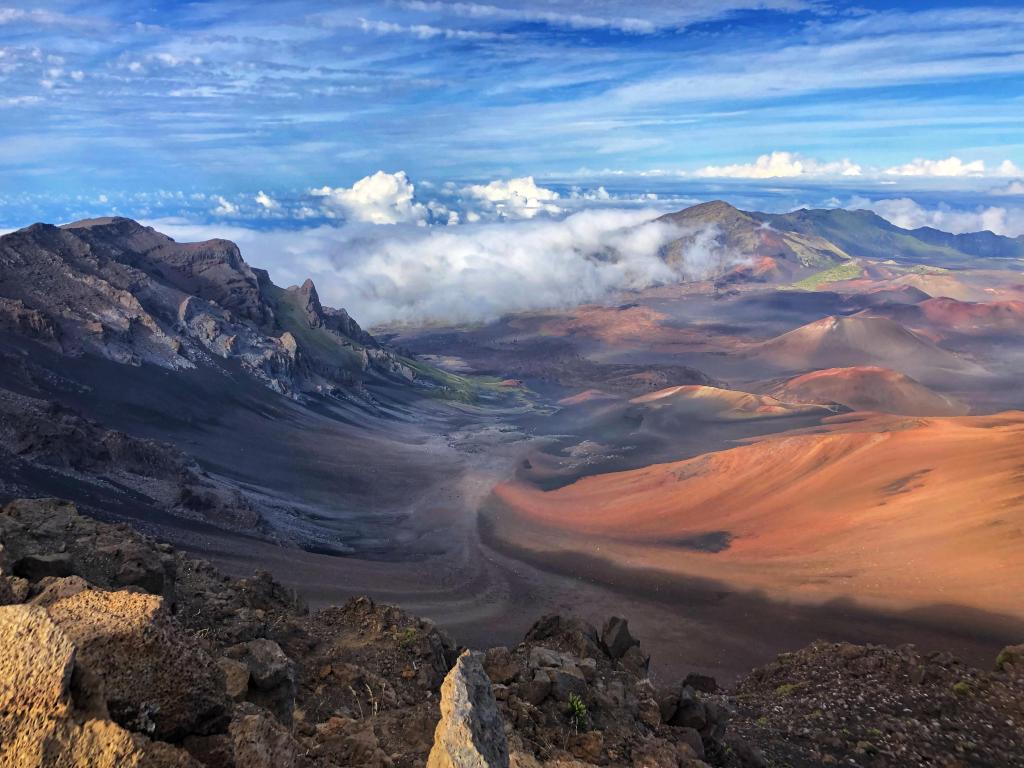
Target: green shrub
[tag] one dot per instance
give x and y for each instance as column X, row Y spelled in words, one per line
column 578, row 715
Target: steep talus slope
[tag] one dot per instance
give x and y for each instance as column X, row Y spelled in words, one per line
column 120, row 651
column 869, row 388
column 111, row 331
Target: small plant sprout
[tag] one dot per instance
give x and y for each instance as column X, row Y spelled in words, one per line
column 578, row 714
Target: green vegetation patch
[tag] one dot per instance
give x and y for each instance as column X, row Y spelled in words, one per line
column 849, row 270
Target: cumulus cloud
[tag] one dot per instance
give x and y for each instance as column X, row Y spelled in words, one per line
column 909, row 214
column 383, row 198
column 266, row 202
column 950, row 166
column 592, row 195
column 953, row 167
column 1015, row 187
column 1008, row 168
column 473, row 272
column 781, row 165
column 513, row 198
column 224, row 207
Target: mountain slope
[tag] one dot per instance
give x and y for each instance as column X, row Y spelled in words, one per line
column 787, row 246
column 837, row 342
column 880, row 509
column 946, row 315
column 868, row 388
column 120, row 291
column 770, row 254
column 865, row 234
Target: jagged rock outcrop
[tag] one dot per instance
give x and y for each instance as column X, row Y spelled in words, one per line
column 115, row 289
column 269, row 676
column 471, row 733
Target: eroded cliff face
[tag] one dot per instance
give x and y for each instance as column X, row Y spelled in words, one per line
column 120, row 651
column 124, row 292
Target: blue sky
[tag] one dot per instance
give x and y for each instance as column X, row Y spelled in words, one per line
column 272, row 113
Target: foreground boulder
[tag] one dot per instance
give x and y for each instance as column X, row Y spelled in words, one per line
column 471, row 733
column 41, row 723
column 156, row 679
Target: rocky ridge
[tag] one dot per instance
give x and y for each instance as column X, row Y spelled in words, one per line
column 124, row 292
column 121, row 651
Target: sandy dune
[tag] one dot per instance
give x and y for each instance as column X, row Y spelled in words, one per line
column 869, row 388
column 880, row 509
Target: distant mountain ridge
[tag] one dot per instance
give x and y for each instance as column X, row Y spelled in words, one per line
column 788, row 246
column 116, row 289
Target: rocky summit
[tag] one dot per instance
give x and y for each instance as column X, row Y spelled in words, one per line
column 115, row 289
column 118, row 650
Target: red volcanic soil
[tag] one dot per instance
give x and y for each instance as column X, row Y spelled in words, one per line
column 834, row 342
column 763, row 269
column 588, row 396
column 869, row 388
column 677, row 405
column 906, row 294
column 611, row 325
column 964, row 317
column 880, row 509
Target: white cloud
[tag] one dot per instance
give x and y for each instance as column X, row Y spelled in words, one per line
column 1015, row 187
column 1008, row 169
column 224, row 207
column 513, row 198
column 636, row 17
column 953, row 166
column 266, row 201
column 425, row 31
column 571, row 20
column 781, row 165
column 471, row 272
column 907, row 213
column 170, row 60
column 596, row 195
column 383, row 198
column 12, row 15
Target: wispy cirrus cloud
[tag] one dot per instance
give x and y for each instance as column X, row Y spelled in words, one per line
column 289, row 97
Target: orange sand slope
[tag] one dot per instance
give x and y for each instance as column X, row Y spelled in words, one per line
column 869, row 388
column 890, row 511
column 673, row 406
column 834, row 342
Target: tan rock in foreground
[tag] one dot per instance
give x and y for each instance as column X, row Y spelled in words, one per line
column 471, row 732
column 156, row 679
column 37, row 718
